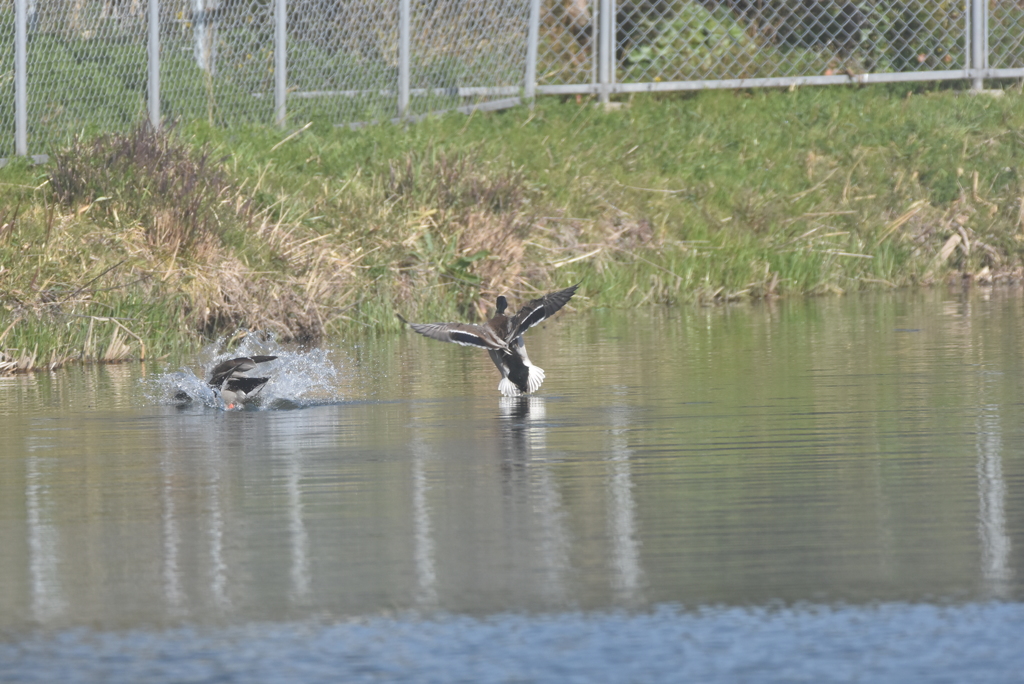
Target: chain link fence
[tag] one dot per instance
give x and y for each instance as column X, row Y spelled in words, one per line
column 216, row 60
column 692, row 44
column 82, row 66
column 6, row 81
column 663, row 41
column 343, row 59
column 1005, row 35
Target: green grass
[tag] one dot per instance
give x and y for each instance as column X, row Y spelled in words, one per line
column 716, row 196
column 740, row 177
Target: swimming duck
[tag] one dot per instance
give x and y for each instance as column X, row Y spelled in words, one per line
column 236, row 388
column 502, row 337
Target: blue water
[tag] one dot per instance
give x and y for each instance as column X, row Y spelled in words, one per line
column 896, row 642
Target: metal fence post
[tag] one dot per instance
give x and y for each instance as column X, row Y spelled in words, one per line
column 280, row 61
column 613, row 39
column 604, row 42
column 595, row 52
column 986, row 10
column 978, row 42
column 532, row 39
column 205, row 33
column 404, row 30
column 20, row 81
column 153, row 63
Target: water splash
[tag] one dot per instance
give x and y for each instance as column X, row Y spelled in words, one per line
column 298, row 377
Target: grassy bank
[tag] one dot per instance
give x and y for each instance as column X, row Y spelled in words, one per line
column 127, row 246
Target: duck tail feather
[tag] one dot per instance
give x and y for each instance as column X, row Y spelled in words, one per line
column 508, row 388
column 536, row 378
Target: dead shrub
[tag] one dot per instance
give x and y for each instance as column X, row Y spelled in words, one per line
column 174, row 190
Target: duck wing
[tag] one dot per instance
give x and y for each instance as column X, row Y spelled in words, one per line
column 537, row 310
column 226, row 369
column 465, row 334
column 246, row 385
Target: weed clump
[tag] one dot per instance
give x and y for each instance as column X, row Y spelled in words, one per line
column 463, row 224
column 175, row 190
column 142, row 241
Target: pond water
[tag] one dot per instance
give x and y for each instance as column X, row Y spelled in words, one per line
column 820, row 490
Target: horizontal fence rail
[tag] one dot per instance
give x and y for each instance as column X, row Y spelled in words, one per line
column 73, row 66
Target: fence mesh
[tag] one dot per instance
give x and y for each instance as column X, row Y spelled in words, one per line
column 466, row 44
column 567, row 51
column 725, row 40
column 217, row 60
column 342, row 60
column 1006, row 34
column 701, row 40
column 6, row 79
column 87, row 59
column 86, row 67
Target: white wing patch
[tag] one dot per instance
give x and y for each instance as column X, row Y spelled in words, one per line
column 533, row 383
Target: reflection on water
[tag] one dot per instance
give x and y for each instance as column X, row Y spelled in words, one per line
column 43, row 547
column 215, row 516
column 171, row 574
column 995, row 543
column 426, row 573
column 299, row 538
column 531, row 494
column 839, row 452
column 625, row 550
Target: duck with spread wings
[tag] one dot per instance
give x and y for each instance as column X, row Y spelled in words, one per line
column 230, row 380
column 502, row 337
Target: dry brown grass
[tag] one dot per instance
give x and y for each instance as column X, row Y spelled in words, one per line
column 120, row 246
column 197, row 239
column 141, row 238
column 176, row 192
